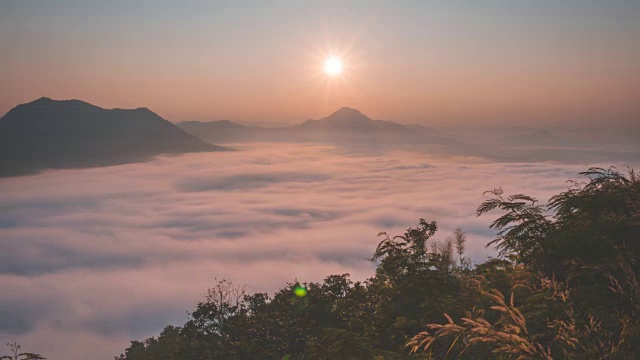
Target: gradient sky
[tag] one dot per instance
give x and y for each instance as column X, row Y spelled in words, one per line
column 433, row 62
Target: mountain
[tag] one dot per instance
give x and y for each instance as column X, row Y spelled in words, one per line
column 539, row 137
column 221, row 130
column 345, row 126
column 351, row 120
column 213, row 126
column 71, row 133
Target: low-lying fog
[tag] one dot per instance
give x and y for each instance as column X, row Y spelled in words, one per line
column 94, row 258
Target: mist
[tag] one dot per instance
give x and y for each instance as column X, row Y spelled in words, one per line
column 88, row 256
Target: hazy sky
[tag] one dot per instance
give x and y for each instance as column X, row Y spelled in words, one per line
column 443, row 62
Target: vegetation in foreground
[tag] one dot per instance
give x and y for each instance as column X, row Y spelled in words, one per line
column 17, row 353
column 564, row 287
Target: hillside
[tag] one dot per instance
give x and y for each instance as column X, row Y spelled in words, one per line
column 48, row 133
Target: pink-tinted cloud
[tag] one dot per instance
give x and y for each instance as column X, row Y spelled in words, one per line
column 93, row 258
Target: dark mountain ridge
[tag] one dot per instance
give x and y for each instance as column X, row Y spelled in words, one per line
column 49, row 133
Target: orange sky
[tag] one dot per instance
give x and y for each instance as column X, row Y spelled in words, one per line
column 431, row 63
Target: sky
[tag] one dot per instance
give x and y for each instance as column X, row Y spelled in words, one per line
column 460, row 63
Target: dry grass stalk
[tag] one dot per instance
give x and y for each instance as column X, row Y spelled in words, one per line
column 508, row 336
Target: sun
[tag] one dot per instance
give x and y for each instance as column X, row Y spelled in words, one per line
column 333, row 66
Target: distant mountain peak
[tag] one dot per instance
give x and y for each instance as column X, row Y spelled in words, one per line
column 42, row 100
column 348, row 119
column 46, row 101
column 543, row 132
column 227, row 122
column 346, row 115
column 540, row 136
column 215, row 123
column 347, row 112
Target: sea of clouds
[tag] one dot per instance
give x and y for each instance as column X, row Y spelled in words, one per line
column 93, row 258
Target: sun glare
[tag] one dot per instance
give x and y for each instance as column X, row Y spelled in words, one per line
column 333, row 66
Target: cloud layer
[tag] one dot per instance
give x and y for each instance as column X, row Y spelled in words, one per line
column 90, row 259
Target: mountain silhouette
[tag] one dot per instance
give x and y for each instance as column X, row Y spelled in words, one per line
column 348, row 119
column 48, row 133
column 345, row 126
column 538, row 137
column 221, row 130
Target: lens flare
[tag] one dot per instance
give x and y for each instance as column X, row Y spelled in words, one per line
column 300, row 291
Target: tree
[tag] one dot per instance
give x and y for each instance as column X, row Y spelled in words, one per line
column 460, row 239
column 212, row 329
column 571, row 268
column 584, row 243
column 15, row 349
column 402, row 254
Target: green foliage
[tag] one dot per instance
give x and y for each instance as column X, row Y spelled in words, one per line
column 583, row 248
column 571, row 269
